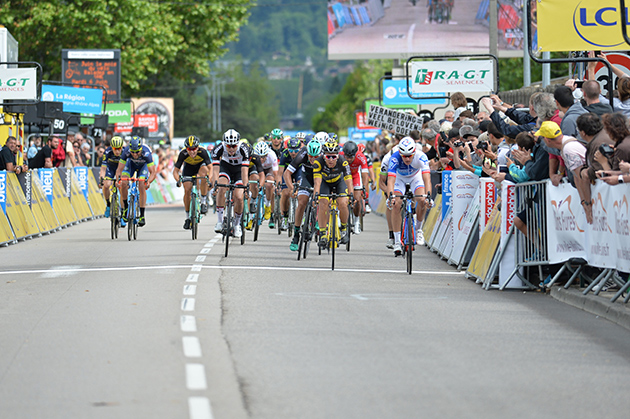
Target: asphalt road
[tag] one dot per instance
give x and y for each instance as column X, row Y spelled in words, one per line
column 165, row 327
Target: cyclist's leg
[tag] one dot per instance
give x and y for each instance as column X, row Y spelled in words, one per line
column 285, row 196
column 143, row 174
column 238, row 204
column 224, row 178
column 358, row 194
column 322, row 211
column 203, row 183
column 124, row 187
column 399, row 189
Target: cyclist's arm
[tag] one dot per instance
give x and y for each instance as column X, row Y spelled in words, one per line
column 119, row 169
column 152, row 173
column 244, row 173
column 101, row 174
column 287, row 179
column 176, row 173
column 391, row 181
column 428, row 187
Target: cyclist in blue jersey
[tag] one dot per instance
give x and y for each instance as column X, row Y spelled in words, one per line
column 136, row 161
column 111, row 158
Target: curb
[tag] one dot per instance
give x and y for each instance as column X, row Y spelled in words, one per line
column 616, row 312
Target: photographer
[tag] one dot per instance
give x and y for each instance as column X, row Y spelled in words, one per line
column 592, row 131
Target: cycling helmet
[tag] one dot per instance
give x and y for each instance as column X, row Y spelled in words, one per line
column 231, row 137
column 276, row 133
column 333, row 137
column 261, row 149
column 300, row 135
column 322, row 137
column 267, row 136
column 294, row 143
column 116, row 142
column 308, row 138
column 135, row 144
column 330, row 147
column 314, row 148
column 192, row 142
column 245, row 141
column 361, row 147
column 350, row 148
column 407, row 146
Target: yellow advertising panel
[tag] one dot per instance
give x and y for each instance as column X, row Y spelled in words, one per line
column 487, row 246
column 578, row 25
column 431, row 220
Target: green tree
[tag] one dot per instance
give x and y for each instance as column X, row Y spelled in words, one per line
column 176, row 36
column 511, row 71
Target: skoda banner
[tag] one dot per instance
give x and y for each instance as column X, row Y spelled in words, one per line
column 452, row 76
column 18, row 83
column 82, row 177
column 46, row 177
column 119, row 113
column 578, row 25
column 75, row 100
column 3, row 191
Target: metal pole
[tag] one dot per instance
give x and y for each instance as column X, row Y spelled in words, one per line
column 219, row 87
column 493, row 31
column 546, row 70
column 527, row 68
column 214, row 103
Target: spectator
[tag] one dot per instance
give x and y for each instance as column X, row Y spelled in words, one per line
column 100, row 151
column 524, row 121
column 44, row 157
column 571, row 109
column 525, row 142
column 86, row 157
column 616, row 126
column 58, row 153
column 545, row 108
column 622, row 104
column 449, row 116
column 466, row 114
column 459, row 102
column 497, row 139
column 592, row 131
column 592, row 93
column 8, row 161
column 482, row 116
column 36, row 145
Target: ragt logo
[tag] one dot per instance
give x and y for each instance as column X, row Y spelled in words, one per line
column 424, row 76
column 598, row 25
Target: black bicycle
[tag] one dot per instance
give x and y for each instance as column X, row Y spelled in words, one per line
column 228, row 211
column 309, row 223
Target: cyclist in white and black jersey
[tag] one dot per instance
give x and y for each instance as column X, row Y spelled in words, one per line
column 230, row 161
column 269, row 163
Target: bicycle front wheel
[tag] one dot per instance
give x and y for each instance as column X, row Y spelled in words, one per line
column 130, row 217
column 227, row 225
column 192, row 214
column 409, row 242
column 333, row 238
column 136, row 216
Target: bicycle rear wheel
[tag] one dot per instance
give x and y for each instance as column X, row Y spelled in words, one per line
column 113, row 214
column 242, row 223
column 277, row 215
column 259, row 215
column 303, row 232
column 130, row 216
column 136, row 216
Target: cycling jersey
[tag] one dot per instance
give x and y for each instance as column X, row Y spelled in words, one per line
column 277, row 152
column 110, row 162
column 136, row 165
column 202, row 158
column 419, row 164
column 331, row 174
column 255, row 166
column 269, row 163
column 301, row 162
column 239, row 158
column 358, row 164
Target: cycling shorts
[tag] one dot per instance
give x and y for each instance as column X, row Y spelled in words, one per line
column 338, row 187
column 415, row 182
column 133, row 170
column 231, row 172
column 357, row 181
column 304, row 183
column 191, row 170
column 110, row 172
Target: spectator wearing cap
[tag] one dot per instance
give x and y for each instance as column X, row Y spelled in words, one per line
column 571, row 109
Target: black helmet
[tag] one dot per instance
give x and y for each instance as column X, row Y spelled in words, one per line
column 192, row 142
column 350, row 148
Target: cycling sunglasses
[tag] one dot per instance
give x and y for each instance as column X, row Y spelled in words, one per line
column 231, row 145
column 294, row 150
column 331, row 156
column 191, row 148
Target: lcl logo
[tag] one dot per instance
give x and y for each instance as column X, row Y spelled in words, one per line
column 598, row 26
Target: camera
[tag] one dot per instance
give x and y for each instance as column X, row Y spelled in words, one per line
column 579, row 83
column 483, row 145
column 458, row 144
column 606, row 150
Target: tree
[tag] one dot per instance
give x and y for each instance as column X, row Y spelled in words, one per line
column 176, row 36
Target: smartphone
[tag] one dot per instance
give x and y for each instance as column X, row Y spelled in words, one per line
column 503, row 169
column 579, row 83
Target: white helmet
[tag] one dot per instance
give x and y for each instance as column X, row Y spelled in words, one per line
column 300, row 135
column 322, row 137
column 231, row 137
column 407, row 146
column 261, row 149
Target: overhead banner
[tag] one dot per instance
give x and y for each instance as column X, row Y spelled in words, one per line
column 452, row 76
column 150, row 121
column 18, row 83
column 395, row 93
column 578, row 25
column 118, row 113
column 394, row 121
column 75, row 99
column 566, row 224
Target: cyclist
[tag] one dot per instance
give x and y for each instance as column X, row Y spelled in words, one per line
column 293, row 147
column 197, row 162
column 277, row 140
column 371, row 180
column 408, row 164
column 359, row 169
column 136, row 160
column 304, row 162
column 269, row 163
column 333, row 137
column 331, row 173
column 322, row 137
column 230, row 160
column 256, row 173
column 111, row 158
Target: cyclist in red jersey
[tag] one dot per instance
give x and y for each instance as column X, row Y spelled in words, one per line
column 359, row 169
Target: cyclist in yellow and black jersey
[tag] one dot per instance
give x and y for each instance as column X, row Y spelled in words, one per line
column 196, row 161
column 256, row 174
column 331, row 173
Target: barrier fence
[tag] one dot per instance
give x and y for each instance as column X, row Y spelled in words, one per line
column 42, row 201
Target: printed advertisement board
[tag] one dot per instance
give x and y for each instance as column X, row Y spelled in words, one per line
column 452, row 76
column 18, row 83
column 74, row 99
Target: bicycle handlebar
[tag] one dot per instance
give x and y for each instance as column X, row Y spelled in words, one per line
column 191, row 178
column 231, row 186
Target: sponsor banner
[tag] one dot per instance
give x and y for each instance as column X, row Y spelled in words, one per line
column 484, row 252
column 361, row 124
column 452, row 76
column 18, row 83
column 621, row 194
column 46, row 177
column 488, row 198
column 117, row 112
column 579, row 25
column 447, row 192
column 82, row 177
column 75, row 99
column 395, row 93
column 566, row 224
column 362, row 135
column 401, row 108
column 465, row 187
column 508, row 212
column 3, row 190
column 394, row 121
column 601, row 239
column 150, row 121
column 464, row 228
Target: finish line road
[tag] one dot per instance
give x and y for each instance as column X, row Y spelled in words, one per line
column 166, row 327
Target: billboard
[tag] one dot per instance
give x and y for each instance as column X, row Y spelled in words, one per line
column 99, row 66
column 74, row 99
column 578, row 25
column 461, row 76
column 395, row 93
column 164, row 108
column 399, row 29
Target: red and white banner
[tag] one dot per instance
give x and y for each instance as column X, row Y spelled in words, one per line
column 488, row 198
column 361, row 124
column 145, row 120
column 508, row 212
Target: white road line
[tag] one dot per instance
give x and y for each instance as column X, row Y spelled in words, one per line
column 199, row 408
column 205, row 250
column 192, row 347
column 188, row 304
column 188, row 323
column 190, row 289
column 61, row 271
column 196, row 377
column 209, row 244
column 200, row 258
column 196, row 268
column 192, row 278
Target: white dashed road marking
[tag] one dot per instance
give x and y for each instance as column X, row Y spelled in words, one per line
column 199, row 408
column 192, row 347
column 196, row 377
column 188, row 323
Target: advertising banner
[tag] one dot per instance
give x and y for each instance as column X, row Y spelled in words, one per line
column 117, row 112
column 452, row 76
column 578, row 25
column 395, row 93
column 621, row 194
column 508, row 212
column 75, row 99
column 464, row 189
column 46, row 177
column 363, row 135
column 150, row 121
column 3, row 190
column 164, row 108
column 566, row 224
column 601, row 240
column 447, row 192
column 485, row 250
column 361, row 124
column 394, row 121
column 18, row 83
column 82, row 178
column 464, row 228
column 488, row 198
